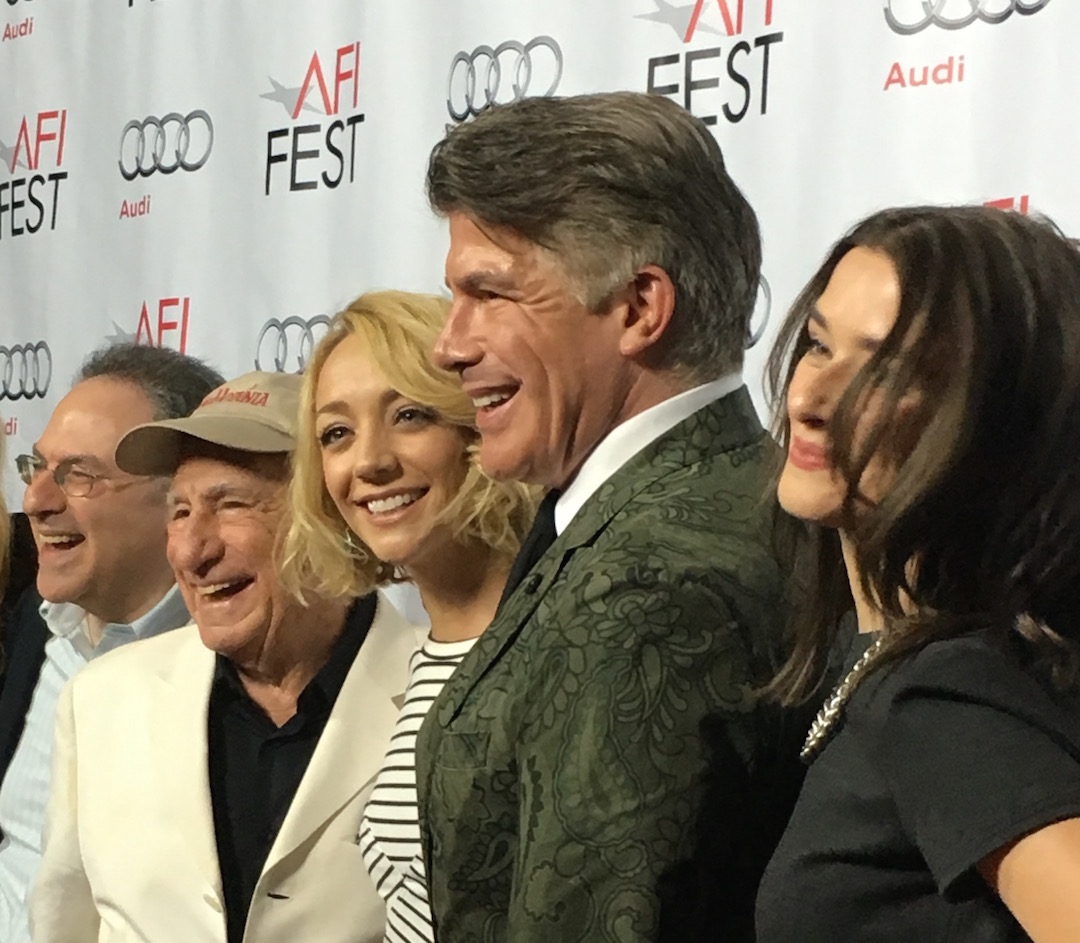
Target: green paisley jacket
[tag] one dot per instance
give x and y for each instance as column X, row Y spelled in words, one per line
column 560, row 771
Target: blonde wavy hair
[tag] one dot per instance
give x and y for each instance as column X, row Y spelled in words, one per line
column 318, row 551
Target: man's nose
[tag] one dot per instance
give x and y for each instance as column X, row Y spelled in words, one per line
column 43, row 495
column 194, row 544
column 456, row 347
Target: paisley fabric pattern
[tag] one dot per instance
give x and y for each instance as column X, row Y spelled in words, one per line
column 560, row 771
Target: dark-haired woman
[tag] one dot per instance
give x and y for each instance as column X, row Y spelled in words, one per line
column 931, row 376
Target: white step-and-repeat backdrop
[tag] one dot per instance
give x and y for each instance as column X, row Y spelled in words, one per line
column 219, row 177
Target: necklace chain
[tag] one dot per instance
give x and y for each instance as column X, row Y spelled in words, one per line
column 822, row 727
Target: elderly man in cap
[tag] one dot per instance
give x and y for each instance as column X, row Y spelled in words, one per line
column 209, row 784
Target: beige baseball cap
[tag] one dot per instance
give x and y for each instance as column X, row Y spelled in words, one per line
column 253, row 413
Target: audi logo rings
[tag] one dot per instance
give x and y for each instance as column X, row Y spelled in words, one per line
column 170, row 144
column 759, row 319
column 904, row 16
column 476, row 78
column 280, row 341
column 25, row 371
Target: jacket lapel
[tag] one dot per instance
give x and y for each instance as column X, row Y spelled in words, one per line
column 728, row 424
column 181, row 746
column 353, row 744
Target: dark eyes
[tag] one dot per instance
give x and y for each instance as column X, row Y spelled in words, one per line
column 814, row 345
column 405, row 416
column 331, row 434
column 415, row 415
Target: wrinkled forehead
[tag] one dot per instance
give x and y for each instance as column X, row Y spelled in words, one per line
column 213, row 473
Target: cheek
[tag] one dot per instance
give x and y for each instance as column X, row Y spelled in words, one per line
column 527, row 349
column 337, row 476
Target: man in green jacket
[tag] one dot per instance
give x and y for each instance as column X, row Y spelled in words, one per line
column 604, row 269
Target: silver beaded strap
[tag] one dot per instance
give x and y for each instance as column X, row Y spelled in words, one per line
column 821, row 728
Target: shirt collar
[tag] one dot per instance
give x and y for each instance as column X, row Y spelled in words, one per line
column 67, row 620
column 630, row 437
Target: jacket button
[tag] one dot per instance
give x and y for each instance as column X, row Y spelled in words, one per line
column 532, row 584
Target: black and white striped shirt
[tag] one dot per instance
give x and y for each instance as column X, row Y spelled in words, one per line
column 390, row 831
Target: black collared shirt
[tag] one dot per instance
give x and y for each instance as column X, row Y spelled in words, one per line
column 256, row 766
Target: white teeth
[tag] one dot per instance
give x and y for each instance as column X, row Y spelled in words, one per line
column 490, row 399
column 382, row 505
column 61, row 538
column 216, row 587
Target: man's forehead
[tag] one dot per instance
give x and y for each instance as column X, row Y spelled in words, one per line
column 472, row 238
column 212, row 478
column 91, row 420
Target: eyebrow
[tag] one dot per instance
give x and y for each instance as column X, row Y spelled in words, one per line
column 213, row 494
column 867, row 343
column 341, row 406
column 488, row 279
column 91, row 460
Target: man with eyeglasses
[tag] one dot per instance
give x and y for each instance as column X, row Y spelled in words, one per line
column 103, row 577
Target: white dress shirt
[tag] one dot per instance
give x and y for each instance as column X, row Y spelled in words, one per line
column 626, row 440
column 24, row 792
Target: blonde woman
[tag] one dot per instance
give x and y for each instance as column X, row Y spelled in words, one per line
column 386, row 487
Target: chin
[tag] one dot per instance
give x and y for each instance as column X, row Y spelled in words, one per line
column 816, row 503
column 56, row 592
column 506, row 461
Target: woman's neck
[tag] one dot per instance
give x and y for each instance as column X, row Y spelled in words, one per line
column 867, row 612
column 461, row 588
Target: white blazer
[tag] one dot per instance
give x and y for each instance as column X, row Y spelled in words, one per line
column 130, row 853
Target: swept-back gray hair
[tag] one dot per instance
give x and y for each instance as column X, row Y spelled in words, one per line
column 609, row 183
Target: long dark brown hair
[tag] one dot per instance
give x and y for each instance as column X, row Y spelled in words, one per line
column 980, row 528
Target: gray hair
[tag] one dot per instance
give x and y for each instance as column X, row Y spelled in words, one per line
column 173, row 382
column 609, row 183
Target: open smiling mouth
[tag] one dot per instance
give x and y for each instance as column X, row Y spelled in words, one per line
column 489, row 402
column 395, row 502
column 61, row 541
column 215, row 592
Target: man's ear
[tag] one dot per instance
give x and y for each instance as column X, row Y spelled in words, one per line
column 650, row 303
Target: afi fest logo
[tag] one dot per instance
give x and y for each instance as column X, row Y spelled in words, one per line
column 25, row 371
column 908, row 17
column 726, row 77
column 501, row 74
column 285, row 346
column 315, row 153
column 1019, row 204
column 29, row 201
column 164, row 145
column 160, row 321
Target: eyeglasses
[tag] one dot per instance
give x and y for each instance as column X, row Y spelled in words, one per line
column 73, row 481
